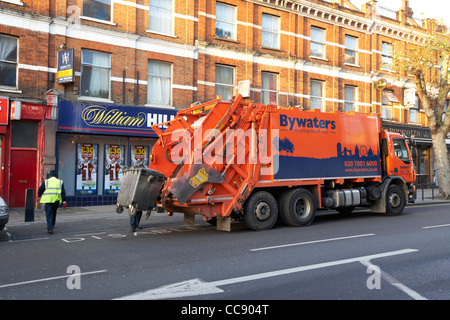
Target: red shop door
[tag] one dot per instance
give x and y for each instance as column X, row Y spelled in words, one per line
column 23, row 175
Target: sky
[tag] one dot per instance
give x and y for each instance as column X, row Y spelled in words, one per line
column 437, row 9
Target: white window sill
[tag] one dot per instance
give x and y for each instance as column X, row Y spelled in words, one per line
column 352, row 65
column 160, row 106
column 94, row 99
column 98, row 20
column 10, row 90
column 319, row 58
column 162, row 34
column 17, row 2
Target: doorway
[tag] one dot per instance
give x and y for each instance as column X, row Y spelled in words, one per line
column 23, row 162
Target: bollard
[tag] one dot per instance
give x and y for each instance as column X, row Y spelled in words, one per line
column 29, row 207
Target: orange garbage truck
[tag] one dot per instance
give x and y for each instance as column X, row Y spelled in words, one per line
column 236, row 160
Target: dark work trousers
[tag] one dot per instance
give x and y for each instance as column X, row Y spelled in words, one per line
column 50, row 214
column 134, row 221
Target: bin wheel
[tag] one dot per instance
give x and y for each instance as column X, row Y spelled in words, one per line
column 119, row 209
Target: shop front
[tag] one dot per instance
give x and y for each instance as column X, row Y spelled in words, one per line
column 95, row 142
column 23, row 129
column 424, row 162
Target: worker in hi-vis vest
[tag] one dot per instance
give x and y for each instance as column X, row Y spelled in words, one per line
column 52, row 193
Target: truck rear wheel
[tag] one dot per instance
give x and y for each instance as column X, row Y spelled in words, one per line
column 261, row 211
column 395, row 200
column 298, row 207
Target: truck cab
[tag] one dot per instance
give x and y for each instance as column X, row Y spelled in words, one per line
column 396, row 157
column 397, row 166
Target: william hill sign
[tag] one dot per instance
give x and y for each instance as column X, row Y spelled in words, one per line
column 92, row 118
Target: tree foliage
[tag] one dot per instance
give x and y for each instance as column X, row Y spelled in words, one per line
column 428, row 62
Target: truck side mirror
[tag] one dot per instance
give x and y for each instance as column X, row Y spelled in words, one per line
column 413, row 152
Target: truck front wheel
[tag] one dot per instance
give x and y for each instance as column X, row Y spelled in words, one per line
column 298, row 207
column 261, row 211
column 395, row 200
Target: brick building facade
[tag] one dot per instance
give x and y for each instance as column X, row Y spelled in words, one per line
column 148, row 58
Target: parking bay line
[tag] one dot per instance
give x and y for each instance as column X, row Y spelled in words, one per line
column 314, row 241
column 49, row 279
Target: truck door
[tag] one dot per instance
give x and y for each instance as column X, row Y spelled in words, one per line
column 402, row 163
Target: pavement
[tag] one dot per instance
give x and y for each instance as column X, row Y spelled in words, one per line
column 17, row 215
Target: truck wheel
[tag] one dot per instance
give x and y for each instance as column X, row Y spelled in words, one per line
column 395, row 200
column 261, row 211
column 298, row 208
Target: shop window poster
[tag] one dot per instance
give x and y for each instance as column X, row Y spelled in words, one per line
column 87, row 164
column 114, row 163
column 139, row 156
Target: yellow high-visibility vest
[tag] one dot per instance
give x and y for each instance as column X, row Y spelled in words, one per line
column 52, row 191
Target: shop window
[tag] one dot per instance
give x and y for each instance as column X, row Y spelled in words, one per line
column 225, row 21
column 159, row 87
column 350, row 98
column 269, row 88
column 316, row 93
column 95, row 74
column 317, row 43
column 161, row 16
column 97, row 9
column 8, row 61
column 224, row 81
column 351, row 44
column 270, row 31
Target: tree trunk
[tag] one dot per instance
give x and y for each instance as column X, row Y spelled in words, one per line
column 442, row 162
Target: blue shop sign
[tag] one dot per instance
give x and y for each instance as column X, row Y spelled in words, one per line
column 65, row 66
column 92, row 118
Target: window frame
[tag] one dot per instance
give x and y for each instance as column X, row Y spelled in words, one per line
column 268, row 90
column 9, row 62
column 317, row 98
column 414, row 112
column 153, row 103
column 386, row 55
column 231, row 86
column 97, row 18
column 99, row 67
column 172, row 20
column 267, row 31
column 233, row 23
column 352, row 50
column 347, row 102
column 315, row 42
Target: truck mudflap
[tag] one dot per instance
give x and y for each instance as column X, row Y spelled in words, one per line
column 140, row 190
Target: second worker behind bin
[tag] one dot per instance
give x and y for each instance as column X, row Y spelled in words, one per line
column 134, row 221
column 52, row 193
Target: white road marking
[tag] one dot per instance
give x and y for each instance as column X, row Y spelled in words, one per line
column 437, row 226
column 315, row 241
column 49, row 279
column 394, row 282
column 195, row 287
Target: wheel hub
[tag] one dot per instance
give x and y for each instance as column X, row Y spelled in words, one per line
column 302, row 208
column 394, row 200
column 262, row 211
